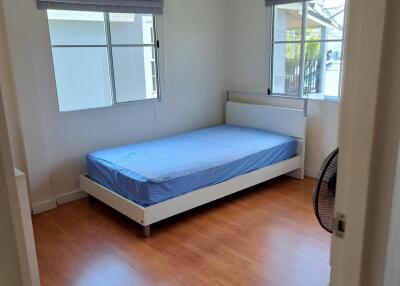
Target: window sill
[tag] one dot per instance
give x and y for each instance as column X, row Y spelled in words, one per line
column 315, row 97
column 321, row 98
column 115, row 105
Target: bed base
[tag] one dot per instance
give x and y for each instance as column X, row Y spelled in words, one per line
column 146, row 216
column 146, row 231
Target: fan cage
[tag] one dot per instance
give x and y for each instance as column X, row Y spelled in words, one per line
column 324, row 196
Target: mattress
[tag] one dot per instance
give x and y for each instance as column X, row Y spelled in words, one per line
column 151, row 172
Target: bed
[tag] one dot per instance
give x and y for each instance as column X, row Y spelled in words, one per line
column 154, row 180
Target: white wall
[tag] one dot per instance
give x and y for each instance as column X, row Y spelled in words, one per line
column 193, row 65
column 322, row 133
column 249, row 46
column 208, row 46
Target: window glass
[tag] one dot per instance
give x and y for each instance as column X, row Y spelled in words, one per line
column 82, row 78
column 76, row 28
column 288, row 22
column 325, row 20
column 102, row 59
column 286, row 68
column 134, row 70
column 322, row 69
column 317, row 56
column 131, row 29
column 333, row 67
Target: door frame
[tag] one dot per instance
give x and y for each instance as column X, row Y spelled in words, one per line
column 15, row 204
column 19, row 214
column 392, row 275
column 364, row 42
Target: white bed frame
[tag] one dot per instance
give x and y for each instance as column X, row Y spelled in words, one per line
column 279, row 119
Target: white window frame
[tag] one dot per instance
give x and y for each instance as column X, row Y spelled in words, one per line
column 109, row 45
column 303, row 42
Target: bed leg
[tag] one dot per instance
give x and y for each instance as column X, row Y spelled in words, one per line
column 91, row 199
column 146, row 231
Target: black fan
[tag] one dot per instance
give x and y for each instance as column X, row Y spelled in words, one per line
column 325, row 192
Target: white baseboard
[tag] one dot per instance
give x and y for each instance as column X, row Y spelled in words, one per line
column 45, row 206
column 70, row 197
column 311, row 173
column 48, row 205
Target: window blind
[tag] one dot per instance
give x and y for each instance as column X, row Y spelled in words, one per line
column 279, row 2
column 116, row 6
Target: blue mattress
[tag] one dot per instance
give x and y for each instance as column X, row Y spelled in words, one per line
column 151, row 172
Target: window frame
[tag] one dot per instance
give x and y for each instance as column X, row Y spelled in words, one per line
column 109, row 47
column 303, row 43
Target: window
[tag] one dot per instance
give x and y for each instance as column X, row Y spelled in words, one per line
column 307, row 49
column 101, row 59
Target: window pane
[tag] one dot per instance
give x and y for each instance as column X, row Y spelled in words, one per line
column 322, row 69
column 288, row 22
column 286, row 68
column 325, row 20
column 76, row 28
column 333, row 66
column 134, row 78
column 82, row 77
column 131, row 29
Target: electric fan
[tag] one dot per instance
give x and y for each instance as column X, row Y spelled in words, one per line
column 325, row 192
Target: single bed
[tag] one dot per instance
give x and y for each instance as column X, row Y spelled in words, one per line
column 152, row 172
column 153, row 180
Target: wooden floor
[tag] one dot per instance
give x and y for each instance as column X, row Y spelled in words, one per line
column 266, row 235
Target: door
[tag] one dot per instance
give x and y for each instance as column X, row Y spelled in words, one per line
column 18, row 262
column 392, row 274
column 364, row 42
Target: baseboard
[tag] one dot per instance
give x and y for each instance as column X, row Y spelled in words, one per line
column 70, row 197
column 52, row 204
column 311, row 173
column 297, row 174
column 45, row 206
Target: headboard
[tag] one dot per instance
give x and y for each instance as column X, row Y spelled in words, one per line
column 282, row 120
column 292, row 102
column 264, row 114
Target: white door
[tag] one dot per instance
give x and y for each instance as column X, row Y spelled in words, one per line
column 360, row 92
column 18, row 262
column 392, row 273
column 18, row 255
